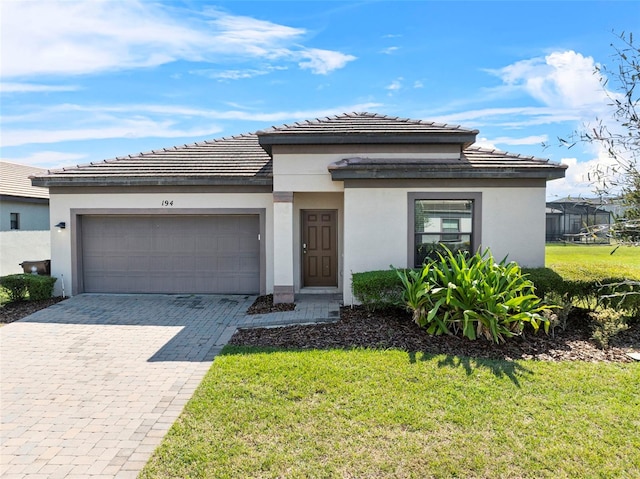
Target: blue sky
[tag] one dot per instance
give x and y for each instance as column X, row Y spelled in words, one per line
column 90, row 80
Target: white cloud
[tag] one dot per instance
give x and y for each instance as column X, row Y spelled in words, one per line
column 512, row 117
column 49, row 159
column 322, row 62
column 485, row 143
column 126, row 128
column 146, row 121
column 389, row 50
column 562, row 80
column 418, row 84
column 9, row 87
column 43, row 37
column 579, row 180
column 527, row 140
column 232, row 74
column 395, row 85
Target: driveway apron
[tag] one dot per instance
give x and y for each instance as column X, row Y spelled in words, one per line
column 89, row 386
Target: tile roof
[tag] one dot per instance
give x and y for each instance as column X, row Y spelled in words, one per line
column 236, row 160
column 245, row 159
column 475, row 162
column 365, row 128
column 14, row 181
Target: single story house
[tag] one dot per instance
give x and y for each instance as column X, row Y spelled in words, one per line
column 293, row 208
column 24, row 217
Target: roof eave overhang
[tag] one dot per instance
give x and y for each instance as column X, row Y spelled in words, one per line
column 24, row 199
column 413, row 173
column 267, row 140
column 55, row 181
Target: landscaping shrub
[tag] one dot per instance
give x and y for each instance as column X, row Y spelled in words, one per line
column 621, row 295
column 545, row 281
column 377, row 289
column 560, row 309
column 19, row 286
column 15, row 286
column 40, row 287
column 606, row 323
column 474, row 295
column 589, row 293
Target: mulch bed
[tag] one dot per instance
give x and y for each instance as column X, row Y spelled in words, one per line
column 264, row 304
column 358, row 327
column 11, row 312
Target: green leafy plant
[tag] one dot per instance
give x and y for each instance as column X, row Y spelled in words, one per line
column 474, row 295
column 606, row 323
column 417, row 294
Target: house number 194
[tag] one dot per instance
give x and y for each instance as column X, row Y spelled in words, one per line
column 167, row 202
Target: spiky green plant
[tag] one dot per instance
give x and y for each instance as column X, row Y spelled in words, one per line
column 475, row 295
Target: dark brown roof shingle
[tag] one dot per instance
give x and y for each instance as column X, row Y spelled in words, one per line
column 246, row 159
column 228, row 161
column 365, row 128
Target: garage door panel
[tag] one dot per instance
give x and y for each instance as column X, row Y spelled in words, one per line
column 171, row 254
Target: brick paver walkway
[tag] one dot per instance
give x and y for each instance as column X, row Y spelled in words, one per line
column 89, row 386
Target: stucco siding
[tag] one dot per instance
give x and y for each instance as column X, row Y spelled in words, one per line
column 376, row 226
column 304, row 168
column 33, row 216
column 63, row 243
column 19, row 246
column 315, row 201
column 513, row 224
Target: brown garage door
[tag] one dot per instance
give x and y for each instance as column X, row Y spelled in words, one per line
column 171, row 254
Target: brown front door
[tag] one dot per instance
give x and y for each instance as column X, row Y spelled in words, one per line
column 319, row 248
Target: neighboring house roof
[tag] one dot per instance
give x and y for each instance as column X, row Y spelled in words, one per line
column 246, row 159
column 15, row 182
column 365, row 128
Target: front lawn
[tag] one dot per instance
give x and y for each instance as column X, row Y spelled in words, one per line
column 388, row 413
column 589, row 262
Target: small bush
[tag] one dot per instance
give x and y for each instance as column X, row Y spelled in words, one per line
column 15, row 286
column 40, row 287
column 621, row 295
column 19, row 286
column 377, row 289
column 560, row 309
column 606, row 323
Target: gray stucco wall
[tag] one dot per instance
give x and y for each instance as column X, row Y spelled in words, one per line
column 33, row 216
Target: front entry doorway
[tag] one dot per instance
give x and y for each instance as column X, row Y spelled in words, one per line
column 320, row 248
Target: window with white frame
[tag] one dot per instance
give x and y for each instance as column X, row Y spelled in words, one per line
column 446, row 219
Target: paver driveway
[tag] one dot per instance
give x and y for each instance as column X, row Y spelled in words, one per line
column 89, row 386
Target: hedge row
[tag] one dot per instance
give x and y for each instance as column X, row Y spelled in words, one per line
column 19, row 286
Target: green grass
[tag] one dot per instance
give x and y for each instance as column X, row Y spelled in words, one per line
column 593, row 262
column 371, row 413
